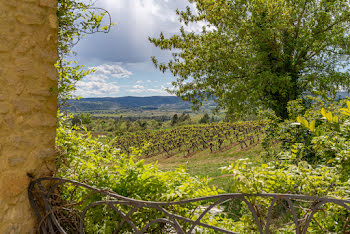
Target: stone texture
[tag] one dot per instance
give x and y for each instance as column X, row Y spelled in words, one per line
column 48, row 3
column 4, row 108
column 28, row 50
column 11, row 3
column 46, row 153
column 30, row 14
column 16, row 161
column 53, row 21
column 7, row 41
column 42, row 120
column 13, row 183
column 25, row 44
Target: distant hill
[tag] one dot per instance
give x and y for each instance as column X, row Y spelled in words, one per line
column 139, row 103
column 129, row 102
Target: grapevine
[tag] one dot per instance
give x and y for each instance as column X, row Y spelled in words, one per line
column 191, row 139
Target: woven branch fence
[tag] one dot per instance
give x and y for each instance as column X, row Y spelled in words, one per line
column 118, row 214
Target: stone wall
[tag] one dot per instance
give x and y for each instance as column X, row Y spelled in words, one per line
column 28, row 105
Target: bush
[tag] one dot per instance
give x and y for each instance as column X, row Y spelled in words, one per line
column 313, row 159
column 98, row 164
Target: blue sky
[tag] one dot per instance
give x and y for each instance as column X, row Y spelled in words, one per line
column 122, row 57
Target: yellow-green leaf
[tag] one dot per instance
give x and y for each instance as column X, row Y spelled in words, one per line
column 312, row 126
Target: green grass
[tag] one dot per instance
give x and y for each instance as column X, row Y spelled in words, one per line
column 205, row 164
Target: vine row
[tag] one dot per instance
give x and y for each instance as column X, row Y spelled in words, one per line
column 192, row 138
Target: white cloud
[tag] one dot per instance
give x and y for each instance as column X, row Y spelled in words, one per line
column 139, row 89
column 136, row 91
column 97, row 89
column 100, row 83
column 158, row 91
column 103, row 83
column 108, row 71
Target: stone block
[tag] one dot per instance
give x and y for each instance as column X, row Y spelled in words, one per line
column 48, row 3
column 12, row 3
column 13, row 228
column 42, row 120
column 25, row 44
column 8, row 122
column 22, row 106
column 3, row 207
column 49, row 56
column 13, row 162
column 7, row 41
column 31, row 19
column 34, row 16
column 53, row 22
column 40, row 92
column 4, row 108
column 19, row 121
column 13, row 183
column 15, row 214
column 25, row 65
column 45, row 153
column 51, row 73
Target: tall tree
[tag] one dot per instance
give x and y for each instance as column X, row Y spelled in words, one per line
column 259, row 53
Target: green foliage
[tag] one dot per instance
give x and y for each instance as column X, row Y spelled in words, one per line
column 85, row 118
column 255, row 53
column 282, row 177
column 190, row 139
column 69, row 73
column 76, row 18
column 174, row 120
column 88, row 160
column 204, row 119
column 318, row 137
column 313, row 160
column 115, row 127
column 182, row 120
column 184, row 117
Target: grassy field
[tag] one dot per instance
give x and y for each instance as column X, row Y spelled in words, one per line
column 205, row 164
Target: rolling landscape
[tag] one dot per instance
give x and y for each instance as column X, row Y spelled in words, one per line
column 131, row 103
column 133, row 108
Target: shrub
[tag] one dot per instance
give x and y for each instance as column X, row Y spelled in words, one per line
column 98, row 164
column 314, row 159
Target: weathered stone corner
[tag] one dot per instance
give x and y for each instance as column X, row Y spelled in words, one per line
column 28, row 51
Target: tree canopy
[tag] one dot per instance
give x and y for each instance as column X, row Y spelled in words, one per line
column 259, row 53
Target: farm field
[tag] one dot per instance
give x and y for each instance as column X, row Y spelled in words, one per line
column 202, row 149
column 191, row 139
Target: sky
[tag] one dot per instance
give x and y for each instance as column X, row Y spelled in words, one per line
column 121, row 57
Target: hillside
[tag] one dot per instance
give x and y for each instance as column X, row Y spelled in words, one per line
column 130, row 102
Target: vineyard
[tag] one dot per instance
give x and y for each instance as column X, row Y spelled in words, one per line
column 192, row 139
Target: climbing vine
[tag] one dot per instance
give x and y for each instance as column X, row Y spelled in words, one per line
column 75, row 20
